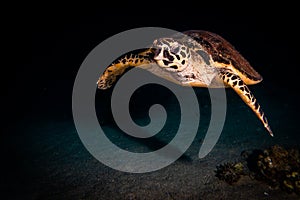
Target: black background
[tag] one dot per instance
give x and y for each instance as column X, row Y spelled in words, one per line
column 47, row 44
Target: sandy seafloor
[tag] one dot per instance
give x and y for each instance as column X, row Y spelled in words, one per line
column 52, row 163
column 43, row 156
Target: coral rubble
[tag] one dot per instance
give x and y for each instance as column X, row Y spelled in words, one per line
column 277, row 166
column 280, row 167
column 230, row 172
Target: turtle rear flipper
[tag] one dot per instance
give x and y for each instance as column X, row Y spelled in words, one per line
column 238, row 85
column 133, row 59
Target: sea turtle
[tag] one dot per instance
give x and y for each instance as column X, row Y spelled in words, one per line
column 194, row 58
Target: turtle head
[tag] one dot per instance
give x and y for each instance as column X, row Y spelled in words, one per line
column 170, row 54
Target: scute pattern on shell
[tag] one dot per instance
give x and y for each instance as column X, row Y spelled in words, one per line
column 223, row 52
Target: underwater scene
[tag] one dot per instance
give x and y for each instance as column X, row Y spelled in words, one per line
column 132, row 128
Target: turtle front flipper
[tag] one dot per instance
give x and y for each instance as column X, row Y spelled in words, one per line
column 236, row 83
column 133, row 59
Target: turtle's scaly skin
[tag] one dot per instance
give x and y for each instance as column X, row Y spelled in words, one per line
column 197, row 59
column 243, row 91
column 109, row 76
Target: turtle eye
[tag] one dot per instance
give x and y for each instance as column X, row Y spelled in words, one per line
column 168, row 56
column 157, row 52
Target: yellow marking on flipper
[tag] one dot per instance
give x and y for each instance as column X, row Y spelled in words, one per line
column 118, row 68
column 243, row 91
column 197, row 84
column 244, row 77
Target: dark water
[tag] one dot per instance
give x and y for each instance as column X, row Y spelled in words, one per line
column 45, row 159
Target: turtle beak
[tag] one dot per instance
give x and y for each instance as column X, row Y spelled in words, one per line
column 158, row 54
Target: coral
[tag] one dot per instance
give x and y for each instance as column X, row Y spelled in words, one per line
column 277, row 166
column 280, row 167
column 230, row 172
